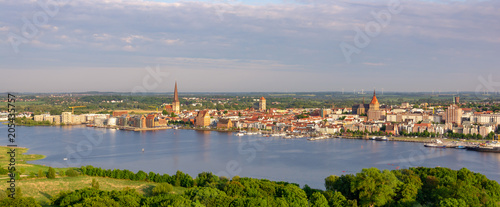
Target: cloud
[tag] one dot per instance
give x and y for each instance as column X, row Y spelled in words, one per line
column 427, row 36
column 374, row 64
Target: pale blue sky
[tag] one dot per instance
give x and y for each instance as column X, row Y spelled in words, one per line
column 231, row 45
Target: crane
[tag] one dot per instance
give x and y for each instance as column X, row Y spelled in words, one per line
column 73, row 108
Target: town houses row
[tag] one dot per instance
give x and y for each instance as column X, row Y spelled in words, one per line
column 372, row 118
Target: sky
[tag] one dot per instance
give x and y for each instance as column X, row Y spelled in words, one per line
column 56, row 46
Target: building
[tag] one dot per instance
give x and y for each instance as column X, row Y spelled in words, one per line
column 66, row 118
column 202, row 119
column 150, row 120
column 372, row 110
column 453, row 115
column 38, row 118
column 176, row 105
column 262, row 104
column 169, row 108
column 119, row 113
column 225, row 123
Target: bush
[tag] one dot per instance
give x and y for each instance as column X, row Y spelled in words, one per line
column 51, row 174
column 71, row 173
column 40, row 173
column 162, row 188
column 3, row 171
column 95, row 184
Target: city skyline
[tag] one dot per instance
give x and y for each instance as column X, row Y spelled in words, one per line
column 249, row 46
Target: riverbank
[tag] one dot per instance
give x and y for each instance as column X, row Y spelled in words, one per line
column 22, row 158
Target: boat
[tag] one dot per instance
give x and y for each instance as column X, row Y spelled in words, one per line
column 460, row 147
column 239, row 134
column 380, row 138
column 435, row 145
column 488, row 147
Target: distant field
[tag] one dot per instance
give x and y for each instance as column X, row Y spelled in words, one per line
column 22, row 103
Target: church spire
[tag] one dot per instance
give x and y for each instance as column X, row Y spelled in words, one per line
column 176, row 94
column 374, row 99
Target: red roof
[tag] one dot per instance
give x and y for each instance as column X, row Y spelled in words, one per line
column 262, row 98
column 374, row 99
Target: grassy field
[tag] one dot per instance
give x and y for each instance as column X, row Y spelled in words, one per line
column 42, row 189
column 21, row 161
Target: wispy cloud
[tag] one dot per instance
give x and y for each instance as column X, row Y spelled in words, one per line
column 301, row 36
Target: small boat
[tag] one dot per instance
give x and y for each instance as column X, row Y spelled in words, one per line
column 460, row 147
column 435, row 145
column 65, row 158
column 239, row 134
column 381, row 139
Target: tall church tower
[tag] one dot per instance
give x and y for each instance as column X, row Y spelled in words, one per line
column 374, row 105
column 262, row 104
column 176, row 105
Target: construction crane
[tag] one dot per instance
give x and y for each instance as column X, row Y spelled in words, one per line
column 73, row 108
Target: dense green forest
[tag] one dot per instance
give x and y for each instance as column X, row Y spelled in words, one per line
column 420, row 186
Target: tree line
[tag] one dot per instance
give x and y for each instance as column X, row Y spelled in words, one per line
column 441, row 187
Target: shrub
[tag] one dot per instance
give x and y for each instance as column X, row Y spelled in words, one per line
column 51, row 174
column 162, row 188
column 71, row 173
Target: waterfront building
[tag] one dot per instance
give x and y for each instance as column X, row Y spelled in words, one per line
column 176, row 105
column 67, row 118
column 224, row 123
column 56, row 119
column 202, row 119
column 150, row 120
column 38, row 118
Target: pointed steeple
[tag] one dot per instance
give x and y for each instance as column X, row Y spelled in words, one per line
column 176, row 94
column 374, row 99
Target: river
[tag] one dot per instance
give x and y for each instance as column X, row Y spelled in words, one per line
column 292, row 160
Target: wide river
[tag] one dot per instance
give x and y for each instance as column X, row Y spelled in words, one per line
column 293, row 160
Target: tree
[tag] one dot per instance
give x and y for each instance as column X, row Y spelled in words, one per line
column 71, row 172
column 162, row 188
column 452, row 202
column 375, row 188
column 40, row 173
column 51, row 174
column 330, row 181
column 408, row 188
column 95, row 184
column 318, row 200
column 335, row 198
column 164, row 112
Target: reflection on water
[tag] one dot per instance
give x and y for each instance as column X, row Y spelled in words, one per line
column 293, row 160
